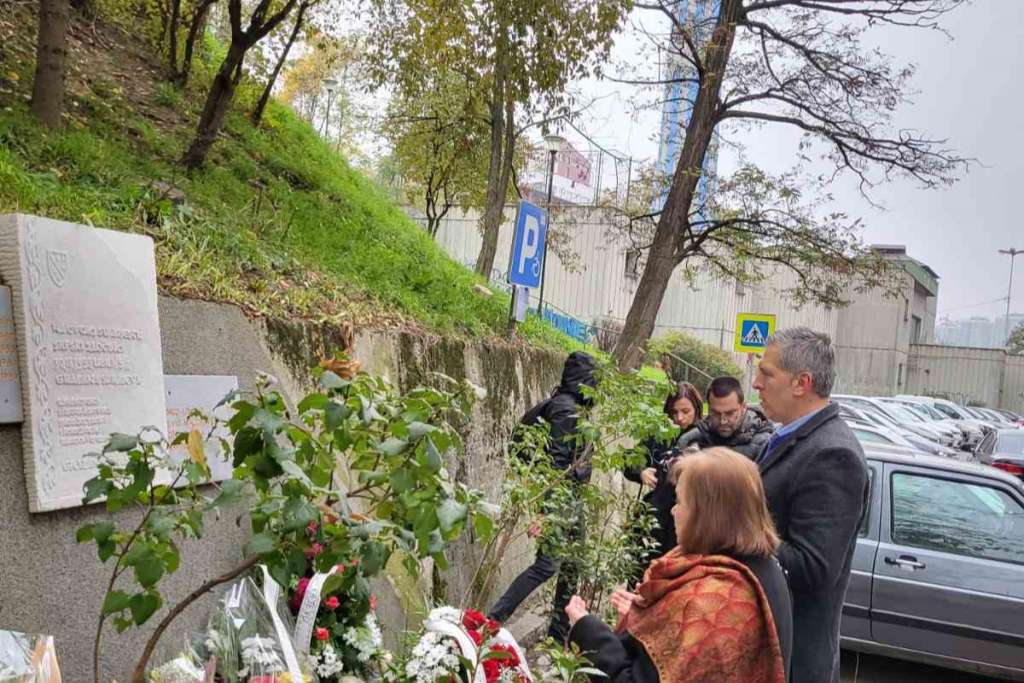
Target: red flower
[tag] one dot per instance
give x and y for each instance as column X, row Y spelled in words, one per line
column 373, row 601
column 312, row 528
column 472, row 619
column 322, row 634
column 492, row 627
column 511, row 661
column 314, row 550
column 332, row 602
column 475, row 635
column 492, row 670
column 295, row 602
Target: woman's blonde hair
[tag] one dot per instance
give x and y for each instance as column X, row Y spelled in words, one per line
column 725, row 508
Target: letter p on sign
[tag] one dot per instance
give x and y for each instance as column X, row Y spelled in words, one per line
column 528, row 246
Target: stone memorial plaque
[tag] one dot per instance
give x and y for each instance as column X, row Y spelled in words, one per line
column 88, row 333
column 186, row 393
column 10, row 387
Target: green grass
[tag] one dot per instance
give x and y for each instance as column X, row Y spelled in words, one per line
column 277, row 222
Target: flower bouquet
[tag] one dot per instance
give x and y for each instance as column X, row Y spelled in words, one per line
column 26, row 658
column 335, row 621
column 247, row 640
column 465, row 646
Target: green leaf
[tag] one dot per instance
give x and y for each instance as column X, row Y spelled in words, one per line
column 393, row 446
column 329, row 380
column 298, row 513
column 334, row 414
column 373, row 556
column 418, row 429
column 294, row 471
column 105, row 550
column 230, row 492
column 433, row 456
column 248, row 440
column 243, row 413
column 260, row 544
column 96, row 488
column 270, row 422
column 401, row 480
column 149, row 570
column 484, row 527
column 143, row 606
column 450, row 515
column 313, row 402
column 160, row 525
column 121, row 443
column 84, row 533
column 115, row 602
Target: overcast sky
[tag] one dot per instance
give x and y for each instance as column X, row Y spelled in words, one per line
column 969, row 91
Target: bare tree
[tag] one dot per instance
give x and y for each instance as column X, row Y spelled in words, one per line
column 799, row 64
column 300, row 17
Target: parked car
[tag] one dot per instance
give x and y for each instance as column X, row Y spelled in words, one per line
column 938, row 570
column 903, row 418
column 1004, row 450
column 997, row 418
column 949, row 428
column 971, row 430
column 869, row 415
column 952, row 411
column 1012, row 417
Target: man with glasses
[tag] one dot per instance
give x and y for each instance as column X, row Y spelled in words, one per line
column 730, row 422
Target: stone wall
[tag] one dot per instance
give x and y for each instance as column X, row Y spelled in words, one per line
column 50, row 584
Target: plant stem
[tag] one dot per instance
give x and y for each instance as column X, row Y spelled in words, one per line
column 139, row 675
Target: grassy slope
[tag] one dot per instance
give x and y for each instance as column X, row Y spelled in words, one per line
column 277, row 223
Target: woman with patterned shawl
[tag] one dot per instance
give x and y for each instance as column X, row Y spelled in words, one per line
column 715, row 609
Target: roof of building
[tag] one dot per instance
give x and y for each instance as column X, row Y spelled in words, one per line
column 921, row 272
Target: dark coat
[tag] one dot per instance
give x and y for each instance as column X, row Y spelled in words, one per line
column 816, row 482
column 561, row 411
column 662, row 497
column 748, row 440
column 623, row 658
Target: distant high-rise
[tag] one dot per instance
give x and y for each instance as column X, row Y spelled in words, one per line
column 681, row 88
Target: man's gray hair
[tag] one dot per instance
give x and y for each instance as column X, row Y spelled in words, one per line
column 801, row 349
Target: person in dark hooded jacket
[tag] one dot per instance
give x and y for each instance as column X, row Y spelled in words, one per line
column 730, row 421
column 561, row 411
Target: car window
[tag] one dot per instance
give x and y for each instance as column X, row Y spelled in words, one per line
column 866, row 436
column 945, row 410
column 866, row 521
column 1010, row 443
column 986, row 444
column 957, row 517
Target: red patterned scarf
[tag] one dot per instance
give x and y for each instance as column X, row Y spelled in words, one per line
column 706, row 619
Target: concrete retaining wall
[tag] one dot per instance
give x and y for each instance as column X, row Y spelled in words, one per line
column 50, row 584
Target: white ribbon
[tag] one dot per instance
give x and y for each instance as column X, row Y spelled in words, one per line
column 306, row 619
column 271, row 593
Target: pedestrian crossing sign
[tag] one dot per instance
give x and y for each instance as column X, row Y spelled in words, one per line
column 752, row 332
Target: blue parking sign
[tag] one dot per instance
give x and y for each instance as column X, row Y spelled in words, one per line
column 527, row 261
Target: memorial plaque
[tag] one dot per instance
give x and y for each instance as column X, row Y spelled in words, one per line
column 88, row 333
column 10, row 387
column 186, row 393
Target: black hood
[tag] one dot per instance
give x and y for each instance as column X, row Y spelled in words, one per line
column 579, row 370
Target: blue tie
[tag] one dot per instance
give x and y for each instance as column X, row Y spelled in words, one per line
column 772, row 441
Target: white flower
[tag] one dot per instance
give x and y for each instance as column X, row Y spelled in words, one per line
column 433, row 657
column 328, row 663
column 260, row 655
column 447, row 614
column 367, row 639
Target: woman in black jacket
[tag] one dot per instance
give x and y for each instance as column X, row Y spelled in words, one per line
column 684, row 408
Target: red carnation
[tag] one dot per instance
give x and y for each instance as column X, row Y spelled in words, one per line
column 492, row 626
column 492, row 670
column 314, row 550
column 312, row 528
column 512, row 660
column 332, row 602
column 322, row 634
column 373, row 601
column 472, row 619
column 475, row 635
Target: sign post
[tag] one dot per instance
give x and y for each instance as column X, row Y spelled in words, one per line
column 526, row 263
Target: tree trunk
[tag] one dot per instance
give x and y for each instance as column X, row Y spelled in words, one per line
column 196, row 30
column 494, row 208
column 673, row 224
column 217, row 102
column 51, row 53
column 172, row 41
column 257, row 114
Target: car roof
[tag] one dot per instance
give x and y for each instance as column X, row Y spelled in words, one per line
column 947, row 464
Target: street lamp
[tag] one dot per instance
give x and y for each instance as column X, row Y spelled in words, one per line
column 1012, row 253
column 329, row 84
column 553, row 144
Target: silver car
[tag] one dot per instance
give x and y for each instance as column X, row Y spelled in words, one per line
column 938, row 572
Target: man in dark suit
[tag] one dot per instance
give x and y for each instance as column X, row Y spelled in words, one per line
column 816, row 481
